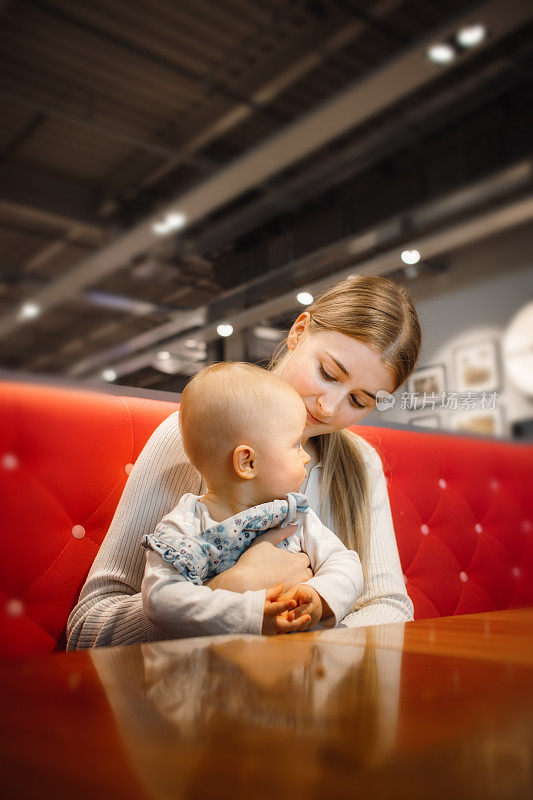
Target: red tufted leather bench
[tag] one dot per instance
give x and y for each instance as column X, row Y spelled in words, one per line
column 462, row 508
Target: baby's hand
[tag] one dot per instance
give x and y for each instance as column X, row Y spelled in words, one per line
column 274, row 619
column 309, row 605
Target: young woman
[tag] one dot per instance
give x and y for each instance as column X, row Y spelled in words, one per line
column 360, row 336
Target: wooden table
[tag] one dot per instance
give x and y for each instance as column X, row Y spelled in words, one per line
column 429, row 709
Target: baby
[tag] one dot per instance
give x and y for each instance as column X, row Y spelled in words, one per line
column 242, row 429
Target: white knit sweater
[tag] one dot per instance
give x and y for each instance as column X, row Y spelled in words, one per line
column 109, row 610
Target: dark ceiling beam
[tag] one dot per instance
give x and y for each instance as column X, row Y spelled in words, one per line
column 269, row 82
column 106, row 131
column 207, row 82
column 54, row 197
column 476, row 90
column 23, row 136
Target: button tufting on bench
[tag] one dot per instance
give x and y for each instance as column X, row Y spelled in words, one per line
column 463, row 576
column 14, row 608
column 128, row 468
column 478, row 528
column 9, row 461
column 424, row 529
column 442, row 483
column 516, row 572
column 78, row 531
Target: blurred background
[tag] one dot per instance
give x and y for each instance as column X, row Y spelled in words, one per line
column 179, row 179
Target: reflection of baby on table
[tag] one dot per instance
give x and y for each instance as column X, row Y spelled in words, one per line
column 173, row 702
column 253, row 474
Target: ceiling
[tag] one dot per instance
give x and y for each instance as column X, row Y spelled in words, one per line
column 301, row 141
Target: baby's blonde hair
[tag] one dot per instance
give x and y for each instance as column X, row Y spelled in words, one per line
column 227, row 404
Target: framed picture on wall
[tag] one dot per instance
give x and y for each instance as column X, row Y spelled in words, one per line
column 429, row 380
column 476, row 367
column 484, row 423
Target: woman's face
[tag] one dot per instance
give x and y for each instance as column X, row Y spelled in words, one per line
column 334, row 375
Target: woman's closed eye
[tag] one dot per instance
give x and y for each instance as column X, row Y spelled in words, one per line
column 328, row 377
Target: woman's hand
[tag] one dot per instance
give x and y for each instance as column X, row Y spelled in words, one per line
column 263, row 565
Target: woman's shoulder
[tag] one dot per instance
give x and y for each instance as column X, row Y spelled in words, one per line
column 166, row 442
column 369, row 453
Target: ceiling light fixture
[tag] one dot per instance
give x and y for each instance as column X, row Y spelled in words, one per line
column 471, row 36
column 163, row 355
column 442, row 53
column 174, row 221
column 305, row 298
column 225, row 329
column 410, row 256
column 29, row 311
column 109, row 375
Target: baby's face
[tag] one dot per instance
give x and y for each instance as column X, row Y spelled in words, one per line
column 281, row 458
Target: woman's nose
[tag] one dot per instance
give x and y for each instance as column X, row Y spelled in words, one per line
column 327, row 404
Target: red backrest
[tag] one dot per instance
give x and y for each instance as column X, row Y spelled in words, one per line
column 462, row 508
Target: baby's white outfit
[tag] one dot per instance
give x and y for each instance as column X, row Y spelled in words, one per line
column 182, row 608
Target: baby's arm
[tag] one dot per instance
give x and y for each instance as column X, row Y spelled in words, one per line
column 338, row 578
column 180, row 608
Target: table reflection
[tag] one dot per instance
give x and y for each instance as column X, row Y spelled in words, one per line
column 388, row 711
column 286, row 701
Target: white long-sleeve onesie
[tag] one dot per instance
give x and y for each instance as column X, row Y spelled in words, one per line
column 181, row 608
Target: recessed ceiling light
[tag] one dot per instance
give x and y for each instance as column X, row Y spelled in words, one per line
column 173, row 221
column 109, row 375
column 29, row 311
column 441, row 53
column 471, row 36
column 163, row 355
column 225, row 329
column 305, row 298
column 410, row 256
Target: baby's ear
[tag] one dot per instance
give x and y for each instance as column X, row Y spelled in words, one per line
column 244, row 462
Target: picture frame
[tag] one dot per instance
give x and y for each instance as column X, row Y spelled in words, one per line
column 476, row 367
column 489, row 422
column 430, row 379
column 429, row 421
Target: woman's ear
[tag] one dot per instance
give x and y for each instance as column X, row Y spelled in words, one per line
column 298, row 329
column 244, row 461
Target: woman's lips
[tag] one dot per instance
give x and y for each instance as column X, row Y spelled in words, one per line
column 313, row 420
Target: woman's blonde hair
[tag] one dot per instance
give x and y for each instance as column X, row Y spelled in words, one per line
column 380, row 313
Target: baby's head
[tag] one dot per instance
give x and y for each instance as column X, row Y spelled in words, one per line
column 240, row 424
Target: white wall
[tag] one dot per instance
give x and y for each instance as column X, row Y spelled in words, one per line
column 486, row 284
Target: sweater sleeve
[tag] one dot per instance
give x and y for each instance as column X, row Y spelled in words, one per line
column 109, row 610
column 384, row 598
column 338, row 577
column 180, row 608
